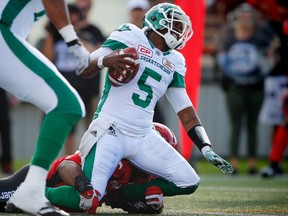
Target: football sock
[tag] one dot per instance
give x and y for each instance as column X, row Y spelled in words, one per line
column 134, row 192
column 36, row 175
column 53, row 133
column 64, row 196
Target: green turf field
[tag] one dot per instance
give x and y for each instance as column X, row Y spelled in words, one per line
column 225, row 195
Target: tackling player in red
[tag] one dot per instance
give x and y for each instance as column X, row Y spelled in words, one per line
column 79, row 198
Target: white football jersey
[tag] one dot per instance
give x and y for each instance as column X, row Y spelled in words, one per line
column 20, row 15
column 131, row 106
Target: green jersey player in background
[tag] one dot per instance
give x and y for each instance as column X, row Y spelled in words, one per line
column 26, row 73
column 122, row 126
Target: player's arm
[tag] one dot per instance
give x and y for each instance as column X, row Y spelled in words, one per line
column 106, row 57
column 192, row 124
column 57, row 12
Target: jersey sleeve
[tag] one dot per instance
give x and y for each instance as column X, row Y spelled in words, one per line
column 122, row 37
column 178, row 80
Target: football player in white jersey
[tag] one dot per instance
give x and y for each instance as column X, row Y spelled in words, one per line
column 122, row 124
column 26, row 73
column 66, row 172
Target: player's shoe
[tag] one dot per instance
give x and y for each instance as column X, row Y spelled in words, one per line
column 271, row 171
column 27, row 198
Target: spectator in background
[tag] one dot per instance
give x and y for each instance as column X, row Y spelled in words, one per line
column 244, row 63
column 5, row 133
column 137, row 10
column 55, row 49
column 88, row 31
column 274, row 110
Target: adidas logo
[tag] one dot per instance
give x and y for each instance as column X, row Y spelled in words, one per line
column 112, row 132
column 94, row 133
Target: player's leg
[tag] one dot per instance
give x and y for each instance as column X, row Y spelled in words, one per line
column 253, row 103
column 65, row 197
column 103, row 159
column 280, row 143
column 236, row 109
column 132, row 197
column 34, row 79
column 156, row 156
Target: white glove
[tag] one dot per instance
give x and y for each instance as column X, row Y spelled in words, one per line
column 154, row 197
column 216, row 160
column 89, row 201
column 82, row 54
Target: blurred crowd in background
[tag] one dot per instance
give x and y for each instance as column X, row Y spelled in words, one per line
column 245, row 52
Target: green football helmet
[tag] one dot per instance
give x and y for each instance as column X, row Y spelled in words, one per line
column 173, row 18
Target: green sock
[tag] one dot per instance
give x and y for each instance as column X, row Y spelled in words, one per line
column 134, row 192
column 53, row 133
column 64, row 196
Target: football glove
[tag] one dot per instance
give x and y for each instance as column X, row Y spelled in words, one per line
column 154, row 197
column 216, row 160
column 88, row 196
column 89, row 201
column 81, row 53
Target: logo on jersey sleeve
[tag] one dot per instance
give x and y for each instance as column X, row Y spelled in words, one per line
column 38, row 15
column 124, row 28
column 145, row 51
column 168, row 64
column 94, row 133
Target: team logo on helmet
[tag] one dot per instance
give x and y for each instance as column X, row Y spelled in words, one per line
column 172, row 18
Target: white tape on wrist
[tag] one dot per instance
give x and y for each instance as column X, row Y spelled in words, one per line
column 68, row 33
column 100, row 62
column 205, row 149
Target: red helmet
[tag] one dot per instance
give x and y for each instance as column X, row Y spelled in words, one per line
column 167, row 134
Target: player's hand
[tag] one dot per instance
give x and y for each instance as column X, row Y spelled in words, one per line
column 154, row 197
column 119, row 61
column 216, row 160
column 89, row 201
column 83, row 56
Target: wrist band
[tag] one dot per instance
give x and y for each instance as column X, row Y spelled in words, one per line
column 199, row 137
column 68, row 33
column 100, row 62
column 205, row 149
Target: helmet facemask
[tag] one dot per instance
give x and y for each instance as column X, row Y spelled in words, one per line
column 173, row 19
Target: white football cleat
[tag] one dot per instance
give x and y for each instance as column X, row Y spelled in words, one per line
column 28, row 198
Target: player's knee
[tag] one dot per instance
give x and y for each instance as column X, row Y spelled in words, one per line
column 186, row 190
column 70, row 103
column 73, row 108
column 192, row 189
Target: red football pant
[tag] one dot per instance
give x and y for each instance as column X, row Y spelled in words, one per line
column 280, row 142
